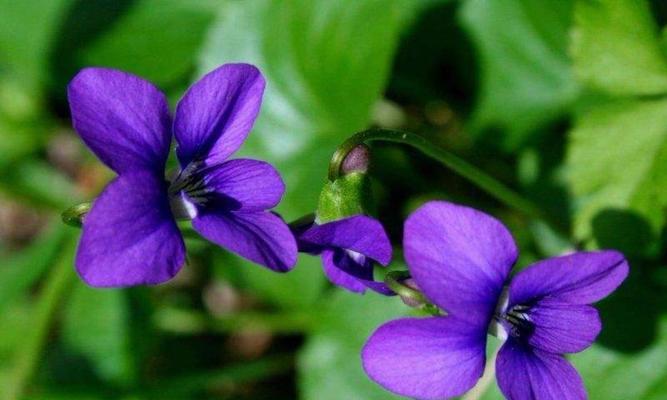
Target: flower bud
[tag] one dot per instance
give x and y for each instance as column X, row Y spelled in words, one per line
column 357, row 160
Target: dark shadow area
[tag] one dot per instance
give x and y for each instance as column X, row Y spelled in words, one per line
column 428, row 69
column 85, row 21
column 546, row 189
column 630, row 316
column 659, row 8
column 623, row 230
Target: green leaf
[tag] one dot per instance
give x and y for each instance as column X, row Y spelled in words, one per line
column 156, row 39
column 26, row 31
column 326, row 67
column 23, row 269
column 39, row 184
column 617, row 159
column 617, row 49
column 18, row 139
column 192, row 383
column 96, row 325
column 320, row 88
column 298, row 288
column 612, row 375
column 525, row 77
column 329, row 365
column 15, row 320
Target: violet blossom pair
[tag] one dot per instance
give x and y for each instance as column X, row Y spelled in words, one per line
column 461, row 259
column 130, row 235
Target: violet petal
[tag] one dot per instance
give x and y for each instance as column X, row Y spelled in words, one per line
column 341, row 277
column 579, row 278
column 528, row 374
column 217, row 112
column 460, row 258
column 261, row 237
column 359, row 233
column 344, row 271
column 562, row 327
column 251, row 185
column 426, row 358
column 122, row 118
column 129, row 236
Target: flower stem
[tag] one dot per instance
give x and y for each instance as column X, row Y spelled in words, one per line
column 396, row 281
column 393, row 280
column 27, row 355
column 468, row 171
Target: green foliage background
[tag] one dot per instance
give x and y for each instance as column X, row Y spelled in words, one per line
column 563, row 100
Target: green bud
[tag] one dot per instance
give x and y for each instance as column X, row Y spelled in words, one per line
column 346, row 196
column 75, row 215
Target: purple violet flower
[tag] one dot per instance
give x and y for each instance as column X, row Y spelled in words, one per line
column 130, row 236
column 461, row 259
column 348, row 247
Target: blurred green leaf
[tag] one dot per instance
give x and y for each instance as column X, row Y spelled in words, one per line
column 329, row 364
column 64, row 395
column 618, row 159
column 525, row 74
column 320, row 89
column 607, row 372
column 187, row 386
column 617, row 49
column 20, row 271
column 96, row 325
column 28, row 353
column 617, row 151
column 27, row 29
column 40, row 184
column 17, row 140
column 325, row 68
column 298, row 288
column 16, row 320
column 155, row 39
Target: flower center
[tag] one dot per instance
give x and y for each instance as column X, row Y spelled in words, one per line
column 357, row 257
column 518, row 321
column 514, row 321
column 188, row 191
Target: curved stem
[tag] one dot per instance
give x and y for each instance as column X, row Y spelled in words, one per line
column 468, row 171
column 393, row 280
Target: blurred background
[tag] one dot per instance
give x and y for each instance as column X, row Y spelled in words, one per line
column 564, row 101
